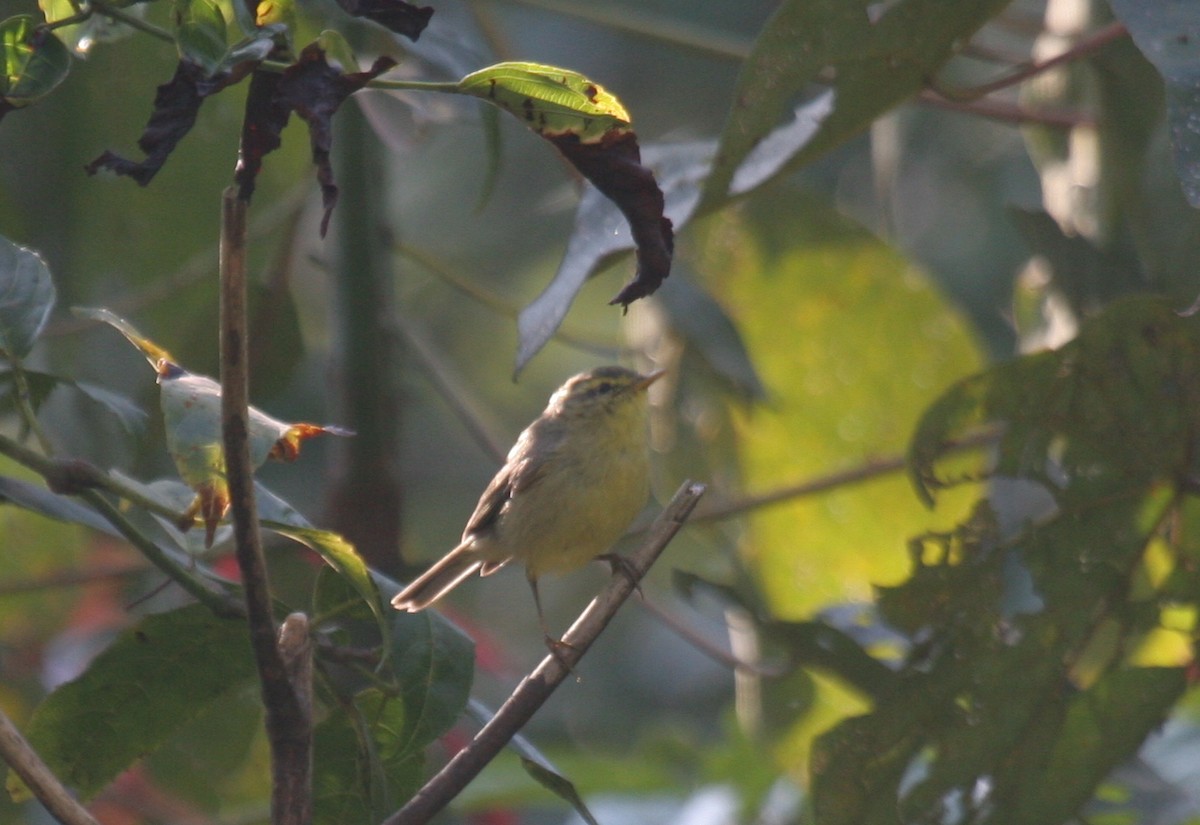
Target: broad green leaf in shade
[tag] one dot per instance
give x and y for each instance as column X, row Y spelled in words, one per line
column 1019, row 706
column 364, row 765
column 41, row 384
column 52, row 505
column 200, row 33
column 433, row 663
column 1168, row 34
column 149, row 683
column 707, row 328
column 551, row 101
column 342, row 557
column 35, row 61
column 872, row 55
column 26, row 298
column 191, row 406
column 1077, row 403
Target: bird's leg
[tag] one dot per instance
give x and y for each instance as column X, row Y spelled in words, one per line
column 619, row 564
column 557, row 647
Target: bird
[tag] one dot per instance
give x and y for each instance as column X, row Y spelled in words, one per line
column 570, row 487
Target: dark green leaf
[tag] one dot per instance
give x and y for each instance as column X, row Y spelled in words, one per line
column 41, row 384
column 52, row 505
column 433, row 663
column 708, row 329
column 35, row 61
column 26, row 297
column 1168, row 34
column 154, row 679
column 364, row 764
column 874, row 55
column 558, row 785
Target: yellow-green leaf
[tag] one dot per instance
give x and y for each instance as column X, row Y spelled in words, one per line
column 550, row 100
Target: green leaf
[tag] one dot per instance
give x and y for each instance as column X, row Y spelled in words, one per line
column 147, row 685
column 52, row 505
column 1102, row 727
column 549, row 100
column 873, row 56
column 342, row 557
column 200, row 33
column 35, row 61
column 41, row 384
column 558, row 785
column 26, row 297
column 364, row 767
column 1168, row 34
column 434, row 664
column 1139, row 361
column 97, row 28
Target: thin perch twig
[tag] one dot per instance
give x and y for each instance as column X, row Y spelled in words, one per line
column 22, row 758
column 537, row 687
column 288, row 727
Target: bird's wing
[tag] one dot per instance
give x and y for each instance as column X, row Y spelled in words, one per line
column 516, row 475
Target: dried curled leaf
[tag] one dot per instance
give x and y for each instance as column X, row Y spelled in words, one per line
column 591, row 128
column 313, row 89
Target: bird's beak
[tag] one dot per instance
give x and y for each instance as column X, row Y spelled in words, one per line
column 646, row 380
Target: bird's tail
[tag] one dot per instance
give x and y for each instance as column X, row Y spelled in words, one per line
column 439, row 579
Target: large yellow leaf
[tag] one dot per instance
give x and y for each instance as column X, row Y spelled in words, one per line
column 852, row 343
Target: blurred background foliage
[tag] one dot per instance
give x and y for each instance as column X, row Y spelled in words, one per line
column 808, row 326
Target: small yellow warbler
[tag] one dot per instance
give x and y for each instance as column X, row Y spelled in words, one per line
column 573, row 482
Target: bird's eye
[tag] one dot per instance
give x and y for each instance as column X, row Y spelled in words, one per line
column 604, row 387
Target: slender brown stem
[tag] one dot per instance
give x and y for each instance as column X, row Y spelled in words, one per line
column 872, row 468
column 288, row 727
column 538, row 686
column 25, row 762
column 1088, row 45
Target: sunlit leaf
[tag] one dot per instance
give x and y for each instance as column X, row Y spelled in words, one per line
column 35, row 61
column 591, row 128
column 97, row 28
column 26, row 297
column 150, row 682
column 342, row 557
column 549, row 100
column 200, row 33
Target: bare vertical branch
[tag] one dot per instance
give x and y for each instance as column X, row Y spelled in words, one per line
column 288, row 726
column 538, row 686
